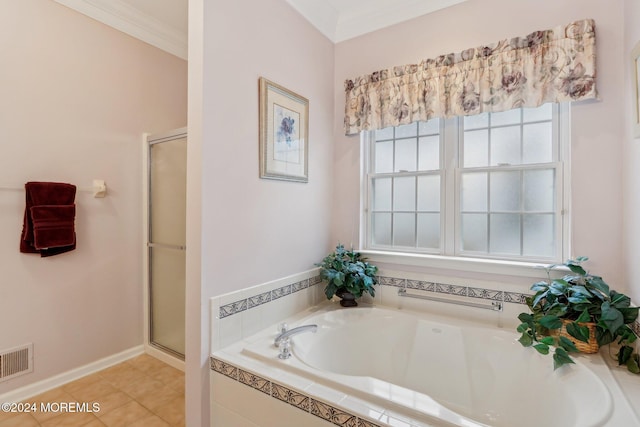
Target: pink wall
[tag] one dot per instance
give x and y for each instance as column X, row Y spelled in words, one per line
column 254, row 230
column 597, row 126
column 631, row 151
column 76, row 98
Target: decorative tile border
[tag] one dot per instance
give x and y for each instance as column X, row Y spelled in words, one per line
column 266, row 297
column 635, row 327
column 467, row 291
column 444, row 288
column 294, row 398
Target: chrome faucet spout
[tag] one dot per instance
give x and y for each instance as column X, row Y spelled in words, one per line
column 291, row 332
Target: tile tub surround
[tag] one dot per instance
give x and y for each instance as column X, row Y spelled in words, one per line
column 240, row 314
column 457, row 290
column 264, row 297
column 268, row 379
column 253, row 301
column 297, row 399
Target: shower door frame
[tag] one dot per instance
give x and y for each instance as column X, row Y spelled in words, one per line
column 161, row 352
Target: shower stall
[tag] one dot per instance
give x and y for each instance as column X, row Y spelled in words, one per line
column 165, row 159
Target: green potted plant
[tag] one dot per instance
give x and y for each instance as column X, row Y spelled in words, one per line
column 578, row 312
column 348, row 275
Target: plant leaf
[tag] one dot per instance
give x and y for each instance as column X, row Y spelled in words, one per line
column 620, row 300
column 581, row 290
column 568, row 345
column 633, row 364
column 526, row 340
column 599, row 284
column 542, row 348
column 548, row 340
column 580, row 299
column 550, row 322
column 561, row 357
column 574, row 266
column 629, row 314
column 330, row 290
column 558, row 287
column 525, row 318
column 584, row 317
column 624, row 354
column 611, row 317
column 603, row 336
column 578, row 332
column 540, row 286
column 539, row 297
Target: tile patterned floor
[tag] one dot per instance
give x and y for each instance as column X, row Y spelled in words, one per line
column 141, row 392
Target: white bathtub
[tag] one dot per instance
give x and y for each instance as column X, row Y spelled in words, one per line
column 451, row 373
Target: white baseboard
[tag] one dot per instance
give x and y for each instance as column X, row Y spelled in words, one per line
column 166, row 358
column 56, row 381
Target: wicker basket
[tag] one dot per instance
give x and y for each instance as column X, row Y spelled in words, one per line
column 584, row 347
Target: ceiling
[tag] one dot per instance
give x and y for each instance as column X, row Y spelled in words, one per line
column 341, row 20
column 164, row 23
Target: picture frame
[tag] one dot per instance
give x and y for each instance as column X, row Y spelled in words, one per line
column 284, row 133
column 635, row 77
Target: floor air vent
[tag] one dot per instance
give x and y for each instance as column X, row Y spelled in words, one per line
column 16, row 361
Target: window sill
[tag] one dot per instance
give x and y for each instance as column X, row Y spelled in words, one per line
column 474, row 265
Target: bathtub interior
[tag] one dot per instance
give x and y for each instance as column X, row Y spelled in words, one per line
column 443, row 368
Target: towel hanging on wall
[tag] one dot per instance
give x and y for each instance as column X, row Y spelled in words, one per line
column 48, row 227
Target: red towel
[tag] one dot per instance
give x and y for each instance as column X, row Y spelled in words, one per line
column 49, row 215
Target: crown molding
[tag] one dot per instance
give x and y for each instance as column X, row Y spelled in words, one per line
column 129, row 20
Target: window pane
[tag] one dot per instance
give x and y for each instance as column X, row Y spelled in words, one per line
column 406, row 153
column 505, row 191
column 504, row 237
column 543, row 112
column 474, row 192
column 474, row 232
column 381, row 228
column 382, row 194
column 429, row 193
column 429, row 153
column 404, row 229
column 505, row 198
column 386, row 133
column 404, row 194
column 429, row 231
column 476, row 148
column 539, row 236
column 407, row 130
column 477, row 121
column 508, row 117
column 539, row 190
column 383, row 162
column 538, row 143
column 431, row 127
column 505, row 146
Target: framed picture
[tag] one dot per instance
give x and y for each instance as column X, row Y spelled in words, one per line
column 635, row 77
column 284, row 133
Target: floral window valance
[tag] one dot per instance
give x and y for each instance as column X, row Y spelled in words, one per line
column 546, row 66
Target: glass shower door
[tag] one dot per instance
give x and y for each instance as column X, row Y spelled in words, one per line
column 167, row 235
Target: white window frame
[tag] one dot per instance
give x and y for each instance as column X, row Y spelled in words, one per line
column 450, row 253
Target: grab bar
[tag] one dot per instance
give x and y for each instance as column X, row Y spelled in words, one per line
column 495, row 305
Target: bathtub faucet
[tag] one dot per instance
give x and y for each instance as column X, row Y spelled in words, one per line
column 285, row 334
